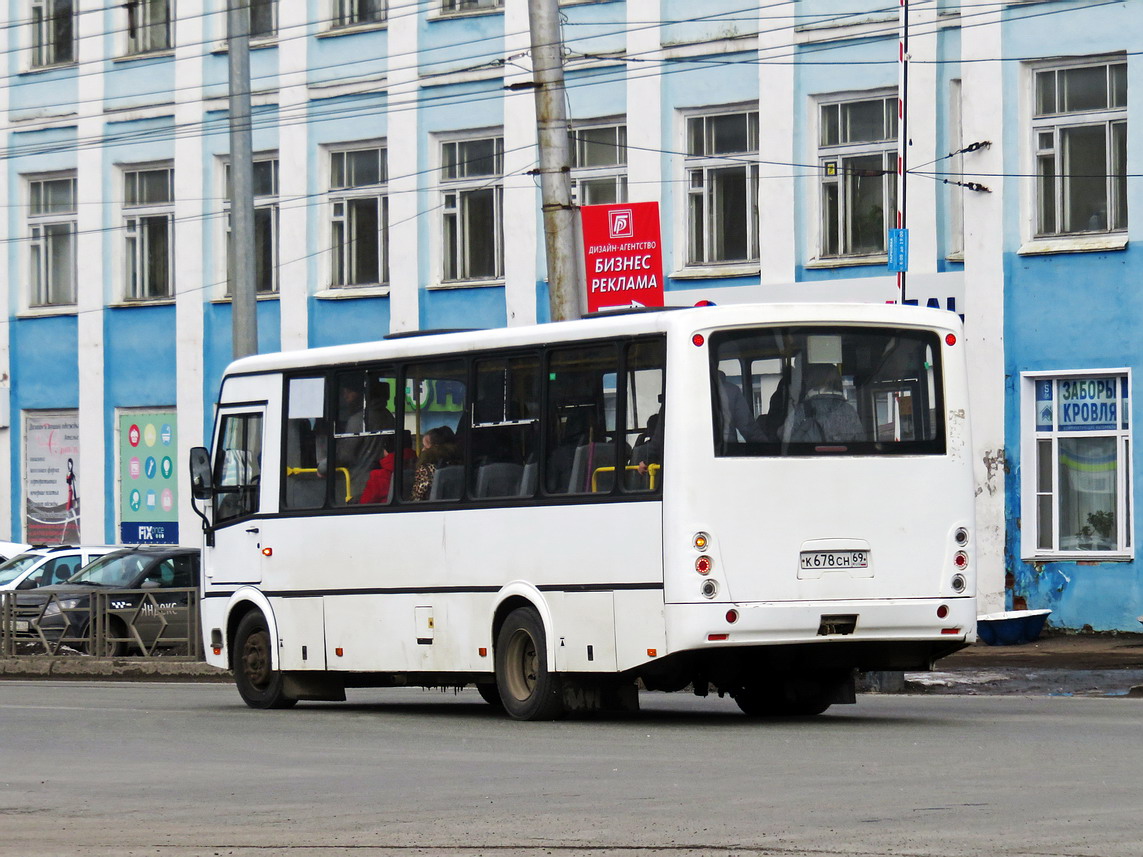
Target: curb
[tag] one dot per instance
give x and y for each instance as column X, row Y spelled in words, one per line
column 137, row 669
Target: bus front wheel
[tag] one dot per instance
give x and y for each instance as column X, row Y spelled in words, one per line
column 259, row 684
column 528, row 689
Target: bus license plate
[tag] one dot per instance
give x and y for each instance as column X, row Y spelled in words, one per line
column 835, row 559
column 22, row 625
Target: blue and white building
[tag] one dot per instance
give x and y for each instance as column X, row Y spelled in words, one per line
column 394, row 154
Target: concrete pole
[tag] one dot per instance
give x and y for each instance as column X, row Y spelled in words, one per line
column 241, row 264
column 565, row 294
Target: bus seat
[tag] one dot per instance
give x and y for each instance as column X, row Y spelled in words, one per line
column 407, row 477
column 530, row 479
column 499, row 479
column 447, row 483
column 305, row 489
column 587, row 459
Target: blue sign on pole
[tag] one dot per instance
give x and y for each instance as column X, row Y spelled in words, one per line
column 898, row 250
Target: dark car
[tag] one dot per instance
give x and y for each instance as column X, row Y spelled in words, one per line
column 126, row 590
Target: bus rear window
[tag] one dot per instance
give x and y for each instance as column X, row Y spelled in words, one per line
column 778, row 391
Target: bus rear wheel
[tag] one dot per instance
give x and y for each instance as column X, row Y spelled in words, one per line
column 528, row 689
column 259, row 684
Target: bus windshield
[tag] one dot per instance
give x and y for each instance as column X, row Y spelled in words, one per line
column 779, row 391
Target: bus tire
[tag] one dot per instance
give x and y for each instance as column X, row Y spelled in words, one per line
column 259, row 684
column 528, row 689
column 490, row 693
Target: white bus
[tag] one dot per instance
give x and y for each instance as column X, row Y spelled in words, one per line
column 752, row 500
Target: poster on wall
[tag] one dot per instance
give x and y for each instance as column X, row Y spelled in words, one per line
column 148, row 484
column 51, row 465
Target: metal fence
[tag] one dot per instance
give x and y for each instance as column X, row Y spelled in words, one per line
column 143, row 623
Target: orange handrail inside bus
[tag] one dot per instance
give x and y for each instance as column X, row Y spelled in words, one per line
column 652, row 470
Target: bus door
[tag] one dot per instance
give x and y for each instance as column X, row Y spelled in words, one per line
column 237, row 495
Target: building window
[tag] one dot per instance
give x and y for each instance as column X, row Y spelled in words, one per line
column 1079, row 127
column 450, row 7
column 51, row 226
column 148, row 221
column 722, row 186
column 599, row 164
column 1077, row 488
column 352, row 13
column 359, row 211
column 53, row 32
column 263, row 19
column 857, row 154
column 148, row 25
column 472, row 202
column 265, row 226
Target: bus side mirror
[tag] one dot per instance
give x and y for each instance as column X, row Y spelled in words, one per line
column 202, row 480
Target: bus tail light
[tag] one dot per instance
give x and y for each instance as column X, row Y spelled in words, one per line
column 700, row 541
column 959, row 583
column 942, row 611
column 960, row 560
column 714, row 638
column 950, row 631
column 732, row 616
column 950, row 339
column 709, row 588
column 704, row 564
column 961, row 536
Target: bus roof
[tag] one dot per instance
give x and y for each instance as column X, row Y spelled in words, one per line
column 598, row 326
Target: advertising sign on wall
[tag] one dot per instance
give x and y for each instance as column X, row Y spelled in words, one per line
column 623, row 255
column 51, row 462
column 148, row 483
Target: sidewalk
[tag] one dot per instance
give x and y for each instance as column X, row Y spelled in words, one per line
column 1055, row 664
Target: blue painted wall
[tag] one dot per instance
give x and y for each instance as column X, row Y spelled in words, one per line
column 1071, row 311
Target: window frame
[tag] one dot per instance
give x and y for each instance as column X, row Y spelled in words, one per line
column 1045, row 132
column 136, row 281
column 143, row 37
column 704, row 166
column 453, row 191
column 1033, row 435
column 615, row 173
column 263, row 203
column 836, row 235
column 44, row 51
column 340, row 249
column 41, row 283
column 341, row 17
column 454, row 8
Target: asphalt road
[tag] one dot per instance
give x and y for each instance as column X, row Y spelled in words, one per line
column 185, row 769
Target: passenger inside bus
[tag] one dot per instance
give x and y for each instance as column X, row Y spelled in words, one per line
column 824, row 415
column 439, row 453
column 379, row 487
column 736, row 422
column 363, row 413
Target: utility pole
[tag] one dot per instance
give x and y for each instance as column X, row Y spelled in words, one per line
column 240, row 267
column 564, row 292
column 903, row 137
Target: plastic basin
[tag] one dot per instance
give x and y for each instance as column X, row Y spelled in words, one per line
column 1011, row 628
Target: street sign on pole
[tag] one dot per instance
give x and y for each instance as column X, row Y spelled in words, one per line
column 623, row 255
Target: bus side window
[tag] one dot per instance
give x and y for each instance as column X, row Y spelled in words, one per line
column 643, row 414
column 238, row 467
column 304, row 488
column 505, row 427
column 580, row 452
column 435, row 397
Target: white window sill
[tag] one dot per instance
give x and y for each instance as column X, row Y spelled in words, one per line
column 1074, row 244
column 257, row 43
column 369, row 27
column 42, row 311
column 150, row 55
column 464, row 284
column 261, row 296
column 955, row 257
column 55, row 66
column 706, row 272
column 138, row 302
column 441, row 15
column 848, row 261
column 341, row 293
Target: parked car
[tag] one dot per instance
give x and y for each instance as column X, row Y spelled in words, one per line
column 10, row 549
column 43, row 566
column 138, row 610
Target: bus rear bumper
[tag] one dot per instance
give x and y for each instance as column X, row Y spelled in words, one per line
column 871, row 629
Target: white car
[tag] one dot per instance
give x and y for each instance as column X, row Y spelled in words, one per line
column 10, row 549
column 41, row 566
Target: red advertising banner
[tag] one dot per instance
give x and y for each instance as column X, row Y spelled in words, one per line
column 623, row 255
